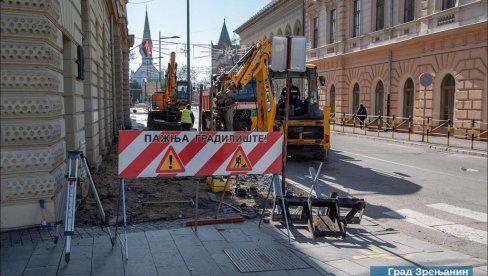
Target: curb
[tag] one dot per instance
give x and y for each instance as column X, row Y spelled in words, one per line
column 425, row 145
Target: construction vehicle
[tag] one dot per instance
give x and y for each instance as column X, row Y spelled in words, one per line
column 166, row 106
column 308, row 125
column 243, row 108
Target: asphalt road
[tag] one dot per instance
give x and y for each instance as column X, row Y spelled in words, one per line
column 439, row 197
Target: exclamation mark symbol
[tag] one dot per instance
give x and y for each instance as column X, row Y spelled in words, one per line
column 170, row 161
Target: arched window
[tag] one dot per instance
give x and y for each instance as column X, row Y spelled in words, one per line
column 287, row 30
column 297, row 29
column 355, row 97
column 408, row 98
column 448, row 89
column 379, row 92
column 332, row 99
column 280, row 32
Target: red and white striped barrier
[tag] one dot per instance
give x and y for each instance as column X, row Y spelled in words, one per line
column 191, row 153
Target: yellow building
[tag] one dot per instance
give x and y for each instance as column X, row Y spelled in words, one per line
column 64, row 86
column 373, row 52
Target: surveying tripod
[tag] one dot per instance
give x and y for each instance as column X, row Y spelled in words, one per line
column 74, row 157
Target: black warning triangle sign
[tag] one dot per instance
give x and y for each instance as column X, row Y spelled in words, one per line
column 170, row 163
column 239, row 162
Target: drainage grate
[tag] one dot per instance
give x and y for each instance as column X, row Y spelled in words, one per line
column 264, row 259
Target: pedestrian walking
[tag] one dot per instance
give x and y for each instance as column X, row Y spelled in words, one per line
column 362, row 115
column 187, row 118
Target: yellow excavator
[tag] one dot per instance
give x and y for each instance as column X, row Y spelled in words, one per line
column 166, row 106
column 308, row 124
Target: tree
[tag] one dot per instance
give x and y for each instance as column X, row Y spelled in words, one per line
column 181, row 73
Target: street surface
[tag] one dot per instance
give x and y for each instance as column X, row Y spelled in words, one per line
column 436, row 196
column 439, row 197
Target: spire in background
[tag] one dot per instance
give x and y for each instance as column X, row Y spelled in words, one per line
column 146, row 44
column 224, row 39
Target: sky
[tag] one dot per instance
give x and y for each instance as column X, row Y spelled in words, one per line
column 169, row 18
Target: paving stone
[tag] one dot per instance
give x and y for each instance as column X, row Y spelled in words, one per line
column 326, row 269
column 349, row 266
column 108, row 263
column 203, row 266
column 137, row 240
column 303, row 272
column 140, row 267
column 216, row 247
column 209, row 234
column 162, row 246
column 140, row 254
column 234, row 235
column 168, row 259
column 173, row 270
column 324, row 255
column 17, row 253
column 48, row 248
column 12, row 267
column 161, row 234
column 42, row 260
column 41, row 271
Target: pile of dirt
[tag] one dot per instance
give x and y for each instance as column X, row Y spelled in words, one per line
column 166, row 199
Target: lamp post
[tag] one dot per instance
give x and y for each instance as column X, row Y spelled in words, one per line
column 188, row 47
column 160, row 54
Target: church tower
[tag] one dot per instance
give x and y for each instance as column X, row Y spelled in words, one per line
column 224, row 53
column 147, row 71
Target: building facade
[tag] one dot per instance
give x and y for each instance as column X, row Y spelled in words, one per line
column 373, row 52
column 64, row 86
column 279, row 17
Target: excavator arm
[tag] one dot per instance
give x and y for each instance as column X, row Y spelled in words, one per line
column 170, row 91
column 254, row 64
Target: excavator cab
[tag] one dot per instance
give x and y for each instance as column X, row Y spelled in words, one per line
column 308, row 124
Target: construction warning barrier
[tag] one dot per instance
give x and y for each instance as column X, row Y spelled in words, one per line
column 191, row 153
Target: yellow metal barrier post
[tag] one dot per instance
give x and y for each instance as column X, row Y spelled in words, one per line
column 365, row 125
column 354, row 124
column 472, row 134
column 378, row 126
column 393, row 128
column 448, row 132
column 343, row 122
column 409, row 127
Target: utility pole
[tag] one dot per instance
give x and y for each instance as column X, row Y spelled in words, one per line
column 160, row 54
column 188, row 47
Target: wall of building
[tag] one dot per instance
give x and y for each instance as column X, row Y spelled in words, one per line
column 280, row 17
column 440, row 42
column 47, row 109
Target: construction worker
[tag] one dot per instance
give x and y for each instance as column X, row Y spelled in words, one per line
column 187, row 118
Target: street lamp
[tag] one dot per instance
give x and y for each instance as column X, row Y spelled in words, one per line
column 160, row 38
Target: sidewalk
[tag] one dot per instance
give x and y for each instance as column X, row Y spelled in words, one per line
column 230, row 249
column 480, row 148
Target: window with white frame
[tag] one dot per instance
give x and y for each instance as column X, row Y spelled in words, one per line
column 409, row 11
column 315, row 41
column 356, row 26
column 380, row 14
column 332, row 26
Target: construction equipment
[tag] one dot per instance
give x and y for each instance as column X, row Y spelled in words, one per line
column 166, row 106
column 308, row 125
column 72, row 161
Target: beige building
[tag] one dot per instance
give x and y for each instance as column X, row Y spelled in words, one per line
column 279, row 17
column 64, row 86
column 374, row 51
